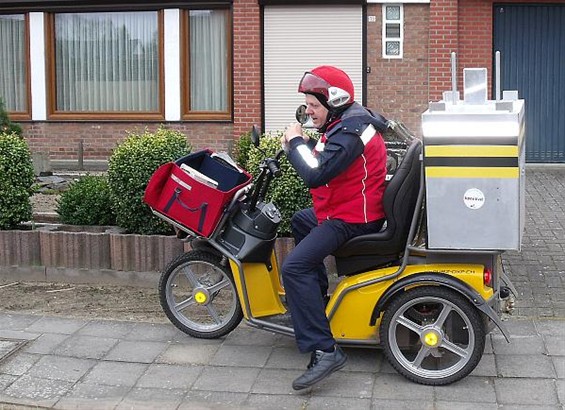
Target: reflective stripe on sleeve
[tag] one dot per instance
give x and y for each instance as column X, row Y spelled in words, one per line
column 307, row 156
column 368, row 134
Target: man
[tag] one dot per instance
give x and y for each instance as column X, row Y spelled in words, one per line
column 345, row 171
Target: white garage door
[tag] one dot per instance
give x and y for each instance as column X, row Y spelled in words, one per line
column 299, row 38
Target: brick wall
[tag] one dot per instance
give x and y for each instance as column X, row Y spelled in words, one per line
column 398, row 88
column 246, row 65
column 61, row 139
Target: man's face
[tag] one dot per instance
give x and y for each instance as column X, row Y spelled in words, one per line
column 316, row 111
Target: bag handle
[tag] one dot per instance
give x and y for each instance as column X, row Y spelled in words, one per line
column 203, row 207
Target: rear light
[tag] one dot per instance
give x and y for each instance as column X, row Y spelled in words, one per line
column 487, row 277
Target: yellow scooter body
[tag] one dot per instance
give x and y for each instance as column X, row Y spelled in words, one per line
column 352, row 303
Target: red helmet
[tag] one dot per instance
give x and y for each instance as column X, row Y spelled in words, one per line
column 333, row 84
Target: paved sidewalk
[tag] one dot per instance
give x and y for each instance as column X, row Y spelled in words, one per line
column 85, row 364
column 70, row 364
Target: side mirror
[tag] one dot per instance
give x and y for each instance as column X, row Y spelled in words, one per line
column 301, row 115
column 255, row 136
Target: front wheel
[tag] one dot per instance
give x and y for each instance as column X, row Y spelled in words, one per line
column 432, row 335
column 199, row 296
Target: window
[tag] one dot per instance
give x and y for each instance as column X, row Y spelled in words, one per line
column 106, row 65
column 206, row 54
column 393, row 31
column 14, row 65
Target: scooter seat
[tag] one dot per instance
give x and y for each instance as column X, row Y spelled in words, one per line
column 399, row 200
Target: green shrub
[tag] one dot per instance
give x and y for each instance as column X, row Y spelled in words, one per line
column 7, row 126
column 288, row 192
column 87, row 202
column 16, row 181
column 130, row 166
column 242, row 147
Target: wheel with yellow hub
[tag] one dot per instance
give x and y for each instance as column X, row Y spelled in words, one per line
column 432, row 335
column 198, row 294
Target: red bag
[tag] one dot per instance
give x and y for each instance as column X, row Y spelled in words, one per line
column 198, row 200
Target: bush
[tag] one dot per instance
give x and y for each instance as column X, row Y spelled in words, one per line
column 242, row 147
column 288, row 192
column 7, row 126
column 130, row 166
column 87, row 202
column 16, row 181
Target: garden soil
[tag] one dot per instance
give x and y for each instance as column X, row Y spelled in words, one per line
column 79, row 300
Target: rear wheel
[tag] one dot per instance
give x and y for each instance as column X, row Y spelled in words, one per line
column 199, row 296
column 432, row 335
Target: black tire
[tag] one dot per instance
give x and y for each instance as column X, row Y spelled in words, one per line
column 432, row 335
column 199, row 296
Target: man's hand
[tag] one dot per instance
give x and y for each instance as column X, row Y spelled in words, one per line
column 294, row 130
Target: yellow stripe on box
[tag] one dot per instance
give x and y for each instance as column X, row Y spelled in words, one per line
column 472, row 172
column 471, row 151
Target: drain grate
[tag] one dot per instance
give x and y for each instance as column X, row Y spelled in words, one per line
column 9, row 347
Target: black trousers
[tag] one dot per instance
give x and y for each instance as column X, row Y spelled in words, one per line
column 305, row 279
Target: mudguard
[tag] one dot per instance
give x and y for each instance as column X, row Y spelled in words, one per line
column 439, row 279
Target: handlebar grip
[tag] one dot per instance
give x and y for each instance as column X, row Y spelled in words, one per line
column 274, row 168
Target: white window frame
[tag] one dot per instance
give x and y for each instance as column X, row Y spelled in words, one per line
column 386, row 39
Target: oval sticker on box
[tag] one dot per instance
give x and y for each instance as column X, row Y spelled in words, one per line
column 474, row 198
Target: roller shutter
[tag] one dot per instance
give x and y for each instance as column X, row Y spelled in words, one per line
column 299, row 38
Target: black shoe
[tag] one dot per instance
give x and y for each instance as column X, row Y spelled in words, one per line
column 321, row 366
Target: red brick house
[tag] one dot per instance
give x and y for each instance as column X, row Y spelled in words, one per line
column 83, row 72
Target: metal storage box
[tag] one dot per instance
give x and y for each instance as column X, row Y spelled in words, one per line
column 474, row 162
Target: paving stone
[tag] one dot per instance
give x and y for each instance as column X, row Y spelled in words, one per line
column 287, row 358
column 551, row 327
column 156, row 332
column 56, row 325
column 92, row 396
column 35, row 391
column 227, row 379
column 68, row 369
column 139, row 352
column 236, row 355
column 106, row 328
column 45, row 344
column 486, row 367
column 527, row 392
column 151, row 399
column 396, row 387
column 401, row 404
column 166, row 376
column 284, row 402
column 560, row 386
column 87, row 347
column 481, row 389
column 346, row 384
column 527, row 366
column 213, row 400
column 17, row 321
column 6, row 380
column 364, row 360
column 188, row 354
column 559, row 363
column 275, row 381
column 18, row 364
column 526, row 345
column 116, row 373
column 246, row 335
column 448, row 405
column 555, row 345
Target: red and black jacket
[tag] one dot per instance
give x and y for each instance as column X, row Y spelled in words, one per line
column 345, row 170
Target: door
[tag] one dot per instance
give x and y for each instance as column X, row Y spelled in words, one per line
column 531, row 40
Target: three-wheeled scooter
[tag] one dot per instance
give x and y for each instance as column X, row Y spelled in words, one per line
column 428, row 304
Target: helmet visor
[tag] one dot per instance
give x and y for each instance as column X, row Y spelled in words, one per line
column 312, row 84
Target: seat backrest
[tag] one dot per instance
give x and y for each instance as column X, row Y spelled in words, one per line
column 399, row 201
column 400, row 197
